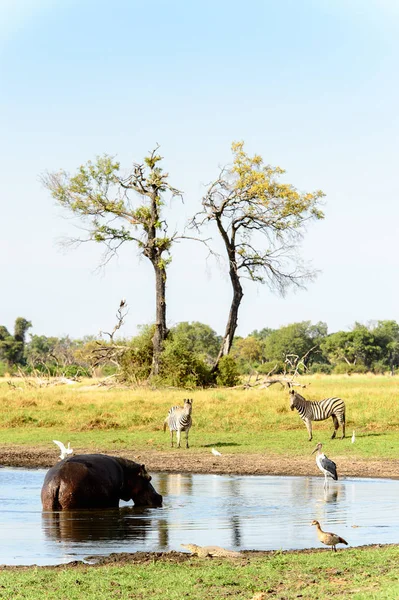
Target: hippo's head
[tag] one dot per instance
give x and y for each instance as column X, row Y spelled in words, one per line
column 138, row 487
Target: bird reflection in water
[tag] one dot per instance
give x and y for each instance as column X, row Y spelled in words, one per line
column 330, row 495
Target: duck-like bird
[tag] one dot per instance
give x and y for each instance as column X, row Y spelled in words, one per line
column 326, row 466
column 327, row 538
column 64, row 451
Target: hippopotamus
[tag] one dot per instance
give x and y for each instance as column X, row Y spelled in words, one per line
column 97, row 481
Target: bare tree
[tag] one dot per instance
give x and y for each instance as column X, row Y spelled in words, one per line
column 261, row 222
column 110, row 351
column 104, row 200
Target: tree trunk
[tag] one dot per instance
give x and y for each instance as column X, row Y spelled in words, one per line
column 161, row 331
column 233, row 316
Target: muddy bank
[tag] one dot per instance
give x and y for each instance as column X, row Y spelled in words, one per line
column 139, row 558
column 184, row 461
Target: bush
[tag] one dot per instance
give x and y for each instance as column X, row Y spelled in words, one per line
column 380, row 367
column 320, row 368
column 182, row 367
column 343, row 368
column 227, row 374
column 266, row 367
column 136, row 362
column 3, row 369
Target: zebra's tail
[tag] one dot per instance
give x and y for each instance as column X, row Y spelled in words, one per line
column 164, row 425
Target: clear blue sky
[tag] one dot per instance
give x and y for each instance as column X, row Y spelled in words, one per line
column 312, row 86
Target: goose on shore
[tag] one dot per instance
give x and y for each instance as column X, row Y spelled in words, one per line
column 327, row 538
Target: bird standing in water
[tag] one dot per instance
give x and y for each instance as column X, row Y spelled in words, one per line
column 327, row 538
column 326, row 466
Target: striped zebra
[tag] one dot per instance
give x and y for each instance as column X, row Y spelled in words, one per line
column 179, row 419
column 319, row 411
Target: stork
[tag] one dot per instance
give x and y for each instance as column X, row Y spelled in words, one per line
column 64, row 451
column 327, row 538
column 326, row 466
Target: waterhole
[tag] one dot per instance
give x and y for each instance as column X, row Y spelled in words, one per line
column 236, row 512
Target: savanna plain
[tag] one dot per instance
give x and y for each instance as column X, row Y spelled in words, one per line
column 256, row 432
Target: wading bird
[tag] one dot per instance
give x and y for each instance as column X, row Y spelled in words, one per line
column 326, row 466
column 216, row 452
column 327, row 538
column 64, row 451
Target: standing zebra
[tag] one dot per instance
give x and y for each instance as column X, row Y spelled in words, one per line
column 179, row 419
column 319, row 411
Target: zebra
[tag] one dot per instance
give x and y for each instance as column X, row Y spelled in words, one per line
column 179, row 419
column 319, row 411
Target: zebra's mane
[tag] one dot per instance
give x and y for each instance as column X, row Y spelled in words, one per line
column 298, row 395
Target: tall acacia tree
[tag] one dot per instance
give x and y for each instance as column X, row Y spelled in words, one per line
column 261, row 222
column 119, row 209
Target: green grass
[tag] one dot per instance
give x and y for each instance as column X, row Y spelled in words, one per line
column 238, row 421
column 361, row 574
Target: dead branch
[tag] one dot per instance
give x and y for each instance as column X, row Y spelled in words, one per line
column 111, row 352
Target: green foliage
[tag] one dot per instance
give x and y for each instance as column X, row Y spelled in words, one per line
column 12, row 347
column 181, row 366
column 248, row 349
column 135, row 363
column 228, row 372
column 185, row 361
column 363, row 346
column 59, row 356
column 198, row 338
column 295, row 339
column 274, row 366
column 52, row 370
column 262, row 334
column 250, row 194
column 320, row 368
column 342, row 368
column 3, row 369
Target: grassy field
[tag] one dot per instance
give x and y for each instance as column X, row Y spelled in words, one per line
column 361, row 574
column 240, row 421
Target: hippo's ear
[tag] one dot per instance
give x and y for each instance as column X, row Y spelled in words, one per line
column 143, row 473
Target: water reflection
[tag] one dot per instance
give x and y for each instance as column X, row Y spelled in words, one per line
column 331, row 495
column 95, row 525
column 238, row 512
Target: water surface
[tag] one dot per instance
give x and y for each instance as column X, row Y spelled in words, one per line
column 237, row 512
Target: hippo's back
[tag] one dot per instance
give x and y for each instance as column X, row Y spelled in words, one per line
column 83, row 481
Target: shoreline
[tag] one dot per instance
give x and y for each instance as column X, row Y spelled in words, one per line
column 120, row 559
column 188, row 461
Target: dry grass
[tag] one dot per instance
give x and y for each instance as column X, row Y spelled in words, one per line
column 247, row 420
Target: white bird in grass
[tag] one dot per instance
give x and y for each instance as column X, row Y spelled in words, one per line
column 326, row 466
column 353, row 437
column 64, row 451
column 216, row 452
